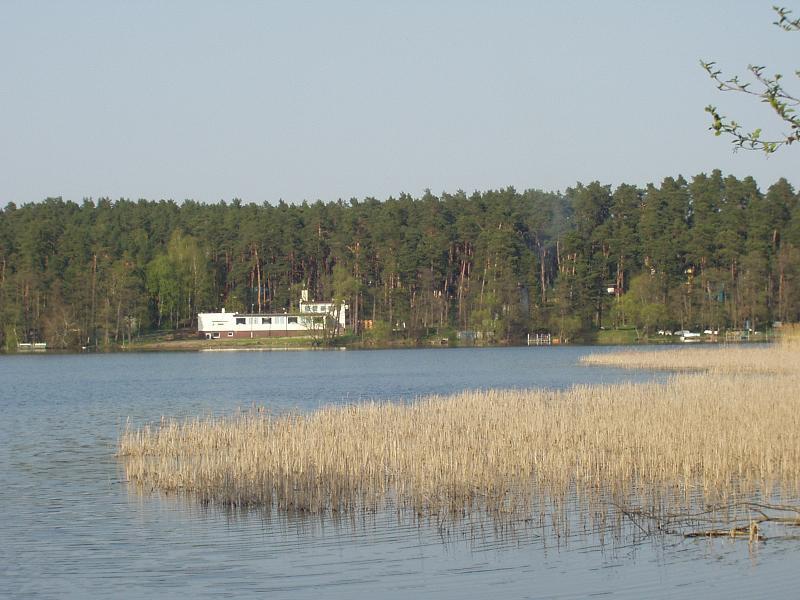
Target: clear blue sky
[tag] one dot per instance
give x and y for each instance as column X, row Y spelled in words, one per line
column 307, row 100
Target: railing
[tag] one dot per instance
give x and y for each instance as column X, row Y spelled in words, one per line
column 540, row 339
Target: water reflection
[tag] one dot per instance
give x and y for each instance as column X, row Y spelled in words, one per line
column 390, row 553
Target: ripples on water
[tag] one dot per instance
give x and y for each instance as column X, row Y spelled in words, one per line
column 71, row 528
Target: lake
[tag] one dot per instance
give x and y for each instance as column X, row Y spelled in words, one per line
column 70, row 527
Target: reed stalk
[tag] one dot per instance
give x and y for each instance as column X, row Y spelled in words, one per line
column 720, row 435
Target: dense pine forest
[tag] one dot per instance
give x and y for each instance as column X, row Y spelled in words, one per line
column 714, row 252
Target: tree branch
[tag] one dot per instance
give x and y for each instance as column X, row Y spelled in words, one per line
column 769, row 90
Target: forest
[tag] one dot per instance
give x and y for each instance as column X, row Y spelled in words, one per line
column 711, row 252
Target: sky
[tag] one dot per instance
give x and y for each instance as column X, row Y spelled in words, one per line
column 297, row 101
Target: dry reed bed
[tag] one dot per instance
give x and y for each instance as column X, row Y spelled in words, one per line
column 713, row 434
column 777, row 359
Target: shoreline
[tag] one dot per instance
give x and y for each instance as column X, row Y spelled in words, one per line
column 187, row 343
column 204, row 346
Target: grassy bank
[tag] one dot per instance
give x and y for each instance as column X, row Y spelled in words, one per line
column 717, row 434
column 195, row 344
column 190, row 340
column 616, row 336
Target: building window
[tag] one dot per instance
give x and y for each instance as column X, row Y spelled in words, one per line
column 215, row 335
column 230, row 334
column 241, row 320
column 266, row 320
column 292, row 319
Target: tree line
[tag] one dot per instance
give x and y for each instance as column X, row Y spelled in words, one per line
column 713, row 252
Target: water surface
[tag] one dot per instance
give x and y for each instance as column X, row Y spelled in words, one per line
column 70, row 527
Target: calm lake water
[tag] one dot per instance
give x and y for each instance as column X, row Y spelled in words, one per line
column 70, row 527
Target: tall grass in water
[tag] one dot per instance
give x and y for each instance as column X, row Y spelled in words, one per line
column 780, row 358
column 717, row 359
column 718, row 435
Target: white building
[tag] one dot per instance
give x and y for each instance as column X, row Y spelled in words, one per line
column 313, row 317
